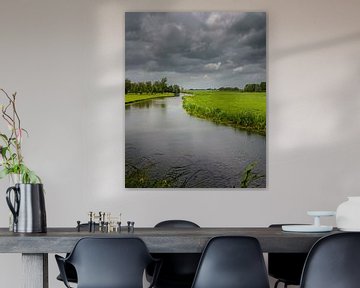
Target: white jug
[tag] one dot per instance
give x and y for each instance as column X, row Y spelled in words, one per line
column 348, row 214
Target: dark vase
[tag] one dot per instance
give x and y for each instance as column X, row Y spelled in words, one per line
column 27, row 204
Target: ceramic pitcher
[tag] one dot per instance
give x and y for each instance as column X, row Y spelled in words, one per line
column 27, row 204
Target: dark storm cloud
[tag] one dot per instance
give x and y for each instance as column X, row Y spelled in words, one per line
column 196, row 50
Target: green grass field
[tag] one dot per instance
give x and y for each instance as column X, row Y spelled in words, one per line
column 131, row 98
column 239, row 109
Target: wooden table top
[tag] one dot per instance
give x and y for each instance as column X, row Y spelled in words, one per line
column 158, row 240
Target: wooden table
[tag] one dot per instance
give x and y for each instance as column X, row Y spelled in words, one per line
column 35, row 247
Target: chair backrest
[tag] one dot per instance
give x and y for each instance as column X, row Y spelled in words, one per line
column 110, row 262
column 232, row 262
column 333, row 262
column 286, row 267
column 178, row 269
column 176, row 224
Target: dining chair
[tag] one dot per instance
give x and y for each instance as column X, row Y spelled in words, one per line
column 178, row 269
column 333, row 262
column 232, row 262
column 286, row 267
column 69, row 269
column 108, row 263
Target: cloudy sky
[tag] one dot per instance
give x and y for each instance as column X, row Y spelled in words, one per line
column 196, row 50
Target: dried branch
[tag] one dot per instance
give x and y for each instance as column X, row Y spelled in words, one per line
column 12, row 159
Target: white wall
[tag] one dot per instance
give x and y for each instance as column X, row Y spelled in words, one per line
column 66, row 61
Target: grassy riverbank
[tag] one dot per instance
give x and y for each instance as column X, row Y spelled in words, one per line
column 238, row 109
column 131, row 98
column 140, row 177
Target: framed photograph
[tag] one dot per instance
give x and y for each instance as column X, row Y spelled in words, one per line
column 195, row 100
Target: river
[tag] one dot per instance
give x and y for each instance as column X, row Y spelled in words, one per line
column 162, row 138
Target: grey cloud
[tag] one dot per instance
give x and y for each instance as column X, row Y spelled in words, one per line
column 190, row 46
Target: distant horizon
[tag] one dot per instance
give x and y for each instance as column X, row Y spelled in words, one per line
column 192, row 88
column 201, row 50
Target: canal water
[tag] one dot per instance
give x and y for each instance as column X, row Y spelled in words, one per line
column 163, row 139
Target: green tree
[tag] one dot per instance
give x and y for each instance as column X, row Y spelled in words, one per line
column 163, row 84
column 127, row 86
column 176, row 89
column 142, row 87
column 149, row 88
column 157, row 87
column 263, row 86
column 134, row 87
column 249, row 88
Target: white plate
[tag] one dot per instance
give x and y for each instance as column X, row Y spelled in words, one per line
column 306, row 228
column 321, row 213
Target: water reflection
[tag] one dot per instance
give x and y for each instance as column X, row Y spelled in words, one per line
column 164, row 142
column 147, row 104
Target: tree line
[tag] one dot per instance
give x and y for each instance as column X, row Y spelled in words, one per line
column 149, row 87
column 253, row 87
column 161, row 86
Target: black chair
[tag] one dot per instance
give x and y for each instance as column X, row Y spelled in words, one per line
column 178, row 269
column 286, row 267
column 176, row 224
column 333, row 262
column 69, row 269
column 232, row 262
column 108, row 263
